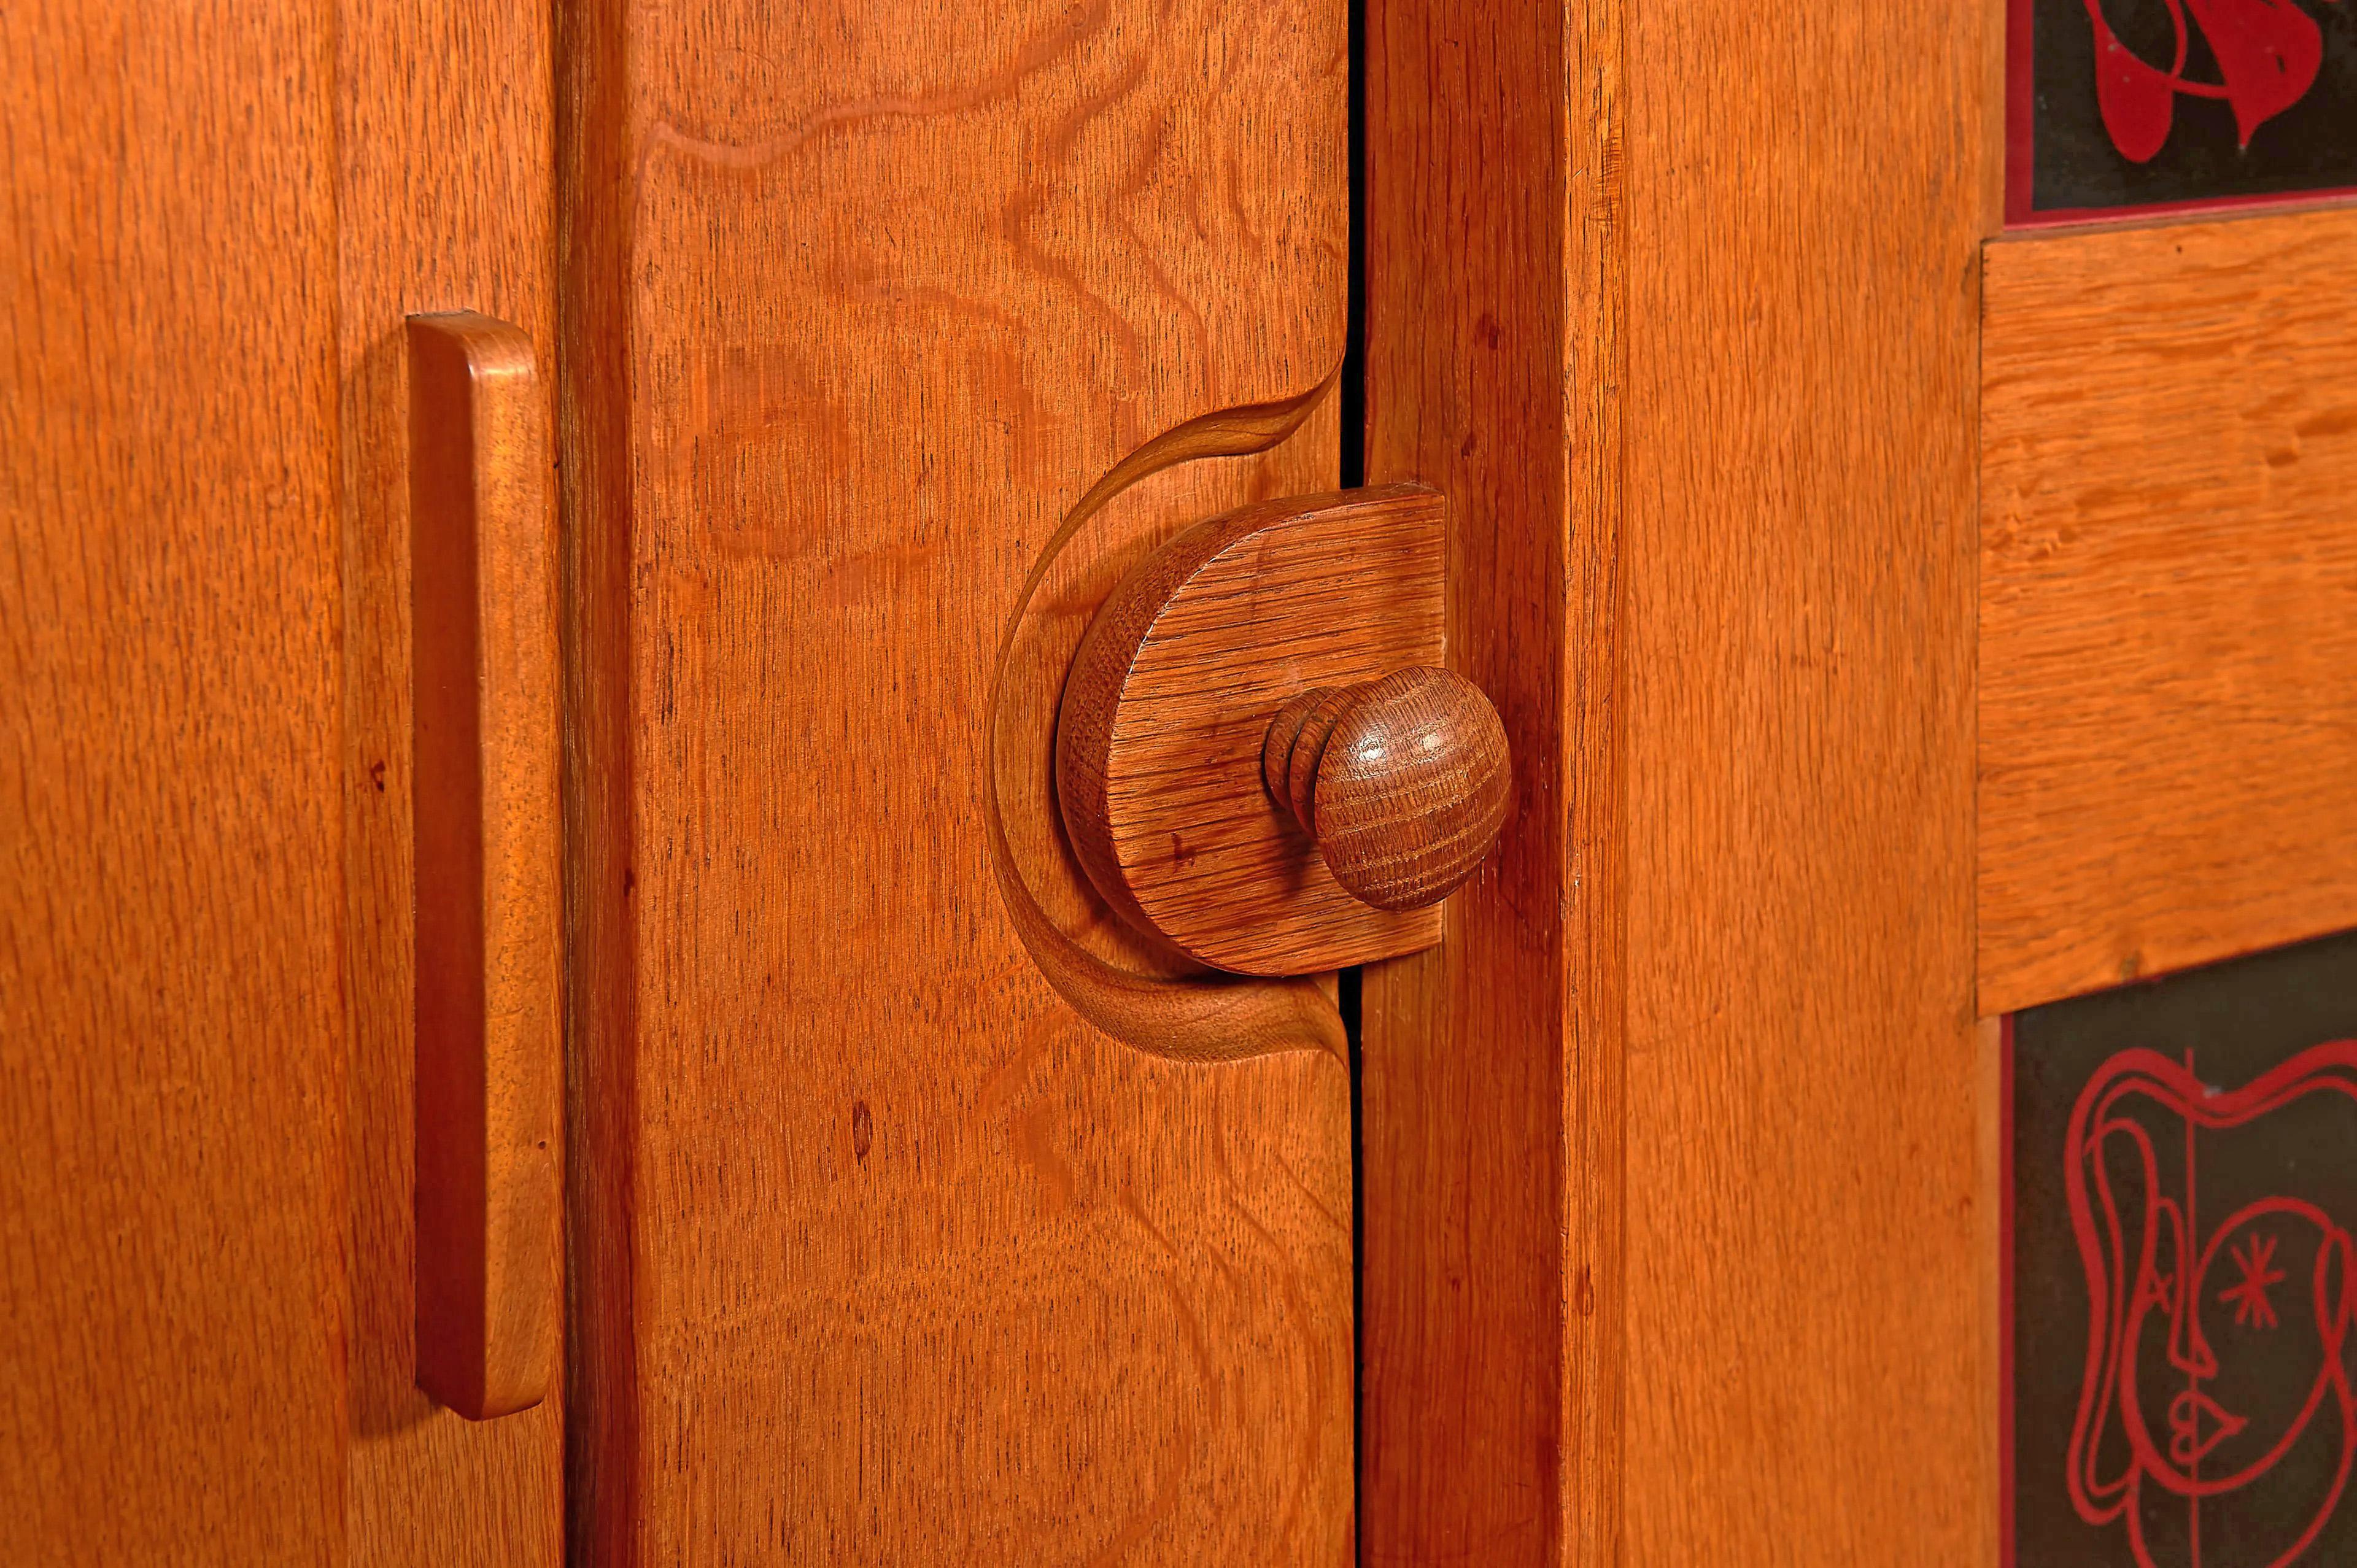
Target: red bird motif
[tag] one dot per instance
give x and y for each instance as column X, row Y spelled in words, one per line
column 2267, row 53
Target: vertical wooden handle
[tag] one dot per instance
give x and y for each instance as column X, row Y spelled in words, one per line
column 484, row 688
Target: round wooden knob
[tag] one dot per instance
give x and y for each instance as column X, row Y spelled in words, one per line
column 1402, row 781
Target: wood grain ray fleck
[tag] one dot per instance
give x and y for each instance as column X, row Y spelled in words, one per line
column 173, row 1255
column 2169, row 599
column 1164, row 714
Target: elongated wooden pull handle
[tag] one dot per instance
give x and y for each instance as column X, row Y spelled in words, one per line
column 1402, row 782
column 484, row 687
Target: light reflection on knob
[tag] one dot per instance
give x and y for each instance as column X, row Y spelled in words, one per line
column 1402, row 782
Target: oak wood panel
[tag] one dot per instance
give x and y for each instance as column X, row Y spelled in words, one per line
column 1810, row 1377
column 445, row 160
column 1673, row 1146
column 881, row 1255
column 171, row 1020
column 2169, row 599
column 489, row 952
column 1490, row 1064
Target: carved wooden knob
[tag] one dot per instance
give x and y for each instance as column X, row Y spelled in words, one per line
column 1402, row 781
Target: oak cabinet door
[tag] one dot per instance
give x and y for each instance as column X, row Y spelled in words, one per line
column 217, row 218
column 885, row 1253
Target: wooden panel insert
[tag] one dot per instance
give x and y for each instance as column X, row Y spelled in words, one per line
column 2169, row 599
column 483, row 597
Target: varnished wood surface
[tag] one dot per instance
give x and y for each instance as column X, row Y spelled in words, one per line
column 1492, row 1065
column 2169, row 599
column 1401, row 782
column 1677, row 1133
column 444, row 150
column 1809, row 1375
column 483, row 663
column 882, row 1255
column 217, row 229
column 1162, row 721
column 204, row 225
column 172, row 1252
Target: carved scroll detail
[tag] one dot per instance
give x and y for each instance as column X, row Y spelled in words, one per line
column 1199, row 1018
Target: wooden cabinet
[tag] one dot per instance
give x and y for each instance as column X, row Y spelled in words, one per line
column 1896, row 620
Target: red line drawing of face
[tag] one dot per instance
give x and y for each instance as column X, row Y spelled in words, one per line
column 2160, row 1295
column 2267, row 53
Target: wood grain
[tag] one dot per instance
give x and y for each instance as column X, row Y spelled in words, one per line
column 881, row 1253
column 1686, row 312
column 1401, row 783
column 2169, row 599
column 489, row 955
column 215, row 231
column 1810, row 1377
column 1160, row 732
column 1490, row 1097
column 171, row 921
column 444, row 146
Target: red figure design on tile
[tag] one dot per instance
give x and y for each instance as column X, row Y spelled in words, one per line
column 2217, row 1381
column 2267, row 53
